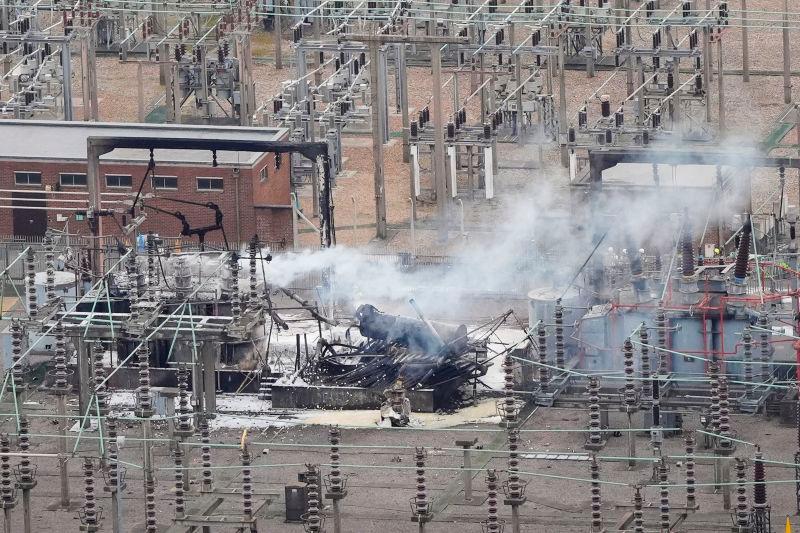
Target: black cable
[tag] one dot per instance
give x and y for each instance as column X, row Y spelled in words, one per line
column 151, row 167
column 578, row 273
column 163, row 274
column 225, row 238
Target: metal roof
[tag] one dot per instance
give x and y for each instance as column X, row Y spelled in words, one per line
column 45, row 140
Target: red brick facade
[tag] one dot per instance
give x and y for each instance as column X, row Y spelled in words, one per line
column 262, row 208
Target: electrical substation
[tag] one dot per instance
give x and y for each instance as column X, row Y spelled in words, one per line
column 351, row 266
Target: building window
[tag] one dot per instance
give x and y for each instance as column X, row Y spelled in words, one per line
column 118, row 181
column 28, row 178
column 165, row 182
column 72, row 180
column 263, row 175
column 209, row 184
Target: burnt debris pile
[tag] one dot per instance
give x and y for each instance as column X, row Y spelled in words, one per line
column 424, row 354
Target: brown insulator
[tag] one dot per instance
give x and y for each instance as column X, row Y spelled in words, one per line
column 184, row 410
column 797, row 427
column 638, row 516
column 759, row 513
column 7, row 489
column 152, row 274
column 747, row 360
column 150, row 504
column 492, row 523
column 89, row 515
column 114, row 479
column 657, row 266
column 766, row 348
column 664, row 507
column 661, row 326
column 559, row 333
column 595, row 435
column 30, row 268
column 144, row 401
column 509, row 400
column 724, row 414
column 421, row 503
column 247, row 484
column 691, row 501
column 759, row 478
column 180, row 509
column 713, row 374
column 100, row 389
column 630, row 384
column 253, row 299
column 335, row 478
column 743, row 253
column 26, row 472
column 514, row 483
column 647, row 385
column 205, row 455
column 544, row 370
column 313, row 520
column 132, row 271
column 742, row 514
column 597, row 517
column 60, row 359
column 17, row 373
column 50, row 265
column 236, row 308
column 687, row 248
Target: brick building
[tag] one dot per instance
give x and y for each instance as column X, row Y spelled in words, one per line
column 43, row 181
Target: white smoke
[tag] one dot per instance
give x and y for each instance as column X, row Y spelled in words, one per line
column 539, row 236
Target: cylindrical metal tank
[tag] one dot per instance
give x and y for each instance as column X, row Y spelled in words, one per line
column 542, row 306
column 410, row 332
column 64, row 285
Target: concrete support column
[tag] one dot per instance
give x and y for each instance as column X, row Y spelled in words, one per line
column 89, row 77
column 440, row 175
column 377, row 142
column 278, row 36
column 721, row 87
column 139, row 92
column 745, row 45
column 787, row 56
column 63, row 470
column 467, row 466
column 562, row 103
column 66, row 66
column 402, row 77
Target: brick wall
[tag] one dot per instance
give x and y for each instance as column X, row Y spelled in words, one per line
column 241, row 222
column 272, row 225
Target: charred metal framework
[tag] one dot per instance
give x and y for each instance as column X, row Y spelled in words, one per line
column 316, row 152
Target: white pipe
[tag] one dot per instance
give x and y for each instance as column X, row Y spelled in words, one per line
column 488, row 171
column 451, row 154
column 415, row 167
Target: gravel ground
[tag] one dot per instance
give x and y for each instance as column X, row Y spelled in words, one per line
column 382, row 478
